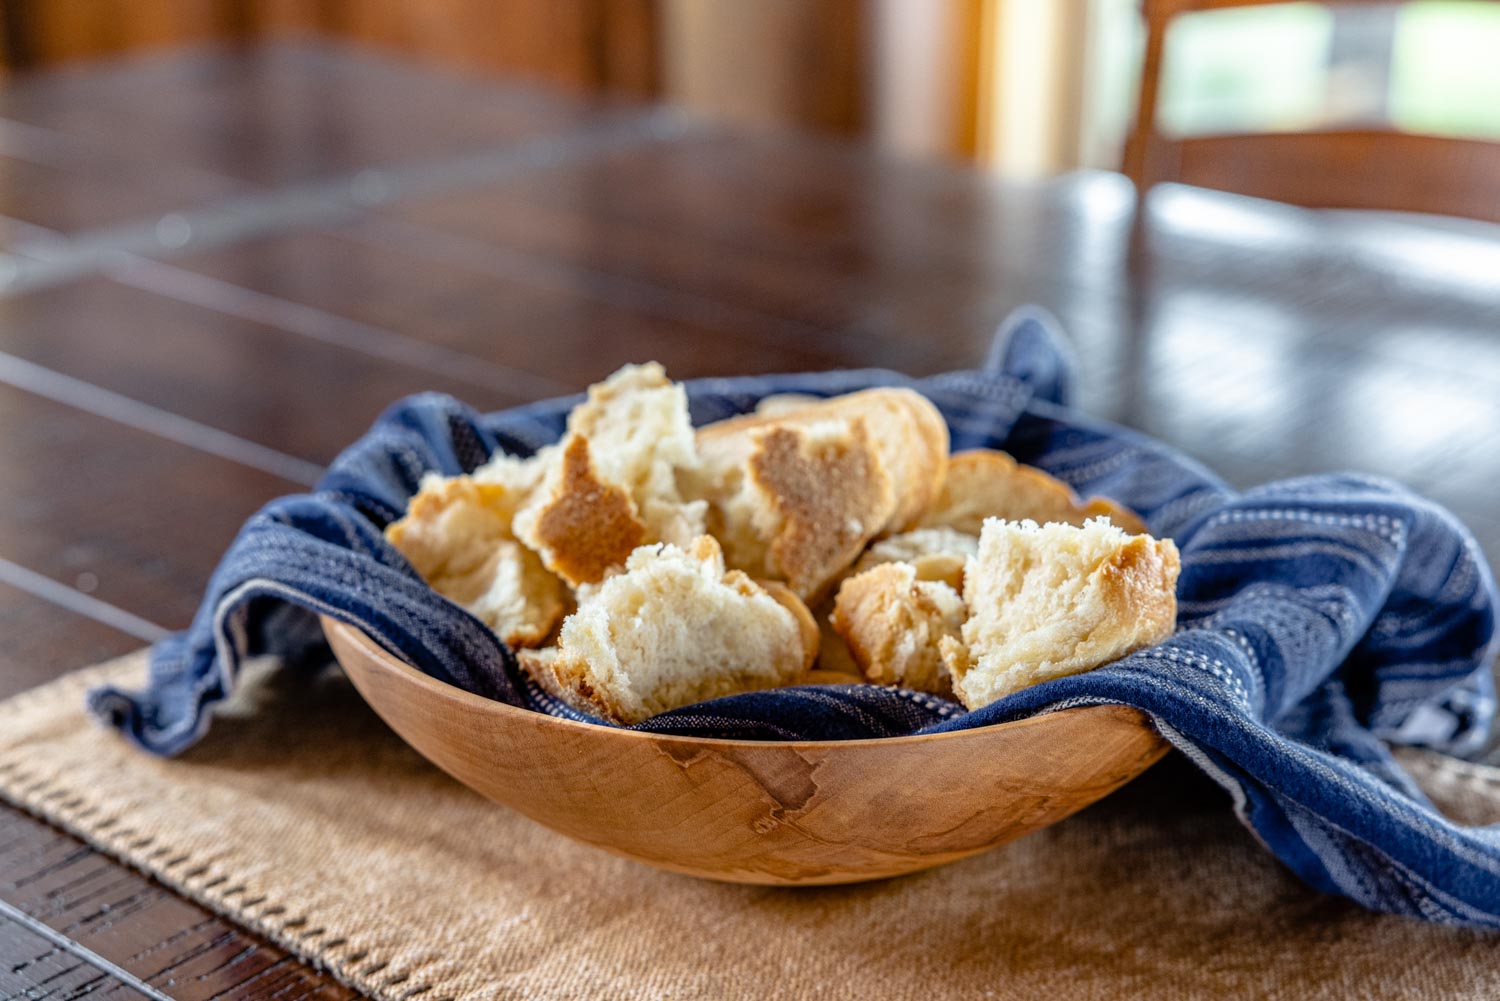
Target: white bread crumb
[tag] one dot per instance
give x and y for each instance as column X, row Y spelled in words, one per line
column 518, row 475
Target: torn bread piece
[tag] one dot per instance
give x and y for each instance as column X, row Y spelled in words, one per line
column 907, row 431
column 457, row 534
column 797, row 495
column 803, row 505
column 581, row 525
column 610, row 484
column 894, row 624
column 672, row 629
column 1050, row 600
column 934, row 553
column 985, row 483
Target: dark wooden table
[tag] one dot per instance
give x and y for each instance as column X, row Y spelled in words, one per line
column 219, row 266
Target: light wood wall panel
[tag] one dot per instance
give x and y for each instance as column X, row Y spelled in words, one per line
column 801, row 63
column 577, row 44
column 40, row 32
column 930, row 75
column 768, row 62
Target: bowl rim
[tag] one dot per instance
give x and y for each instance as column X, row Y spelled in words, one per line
column 359, row 638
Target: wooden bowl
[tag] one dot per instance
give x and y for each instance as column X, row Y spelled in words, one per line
column 769, row 812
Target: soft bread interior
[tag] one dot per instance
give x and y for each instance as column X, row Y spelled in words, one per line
column 456, row 533
column 894, row 624
column 1050, row 600
column 641, row 439
column 672, row 629
column 934, row 553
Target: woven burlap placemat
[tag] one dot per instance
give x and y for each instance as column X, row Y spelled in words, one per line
column 303, row 817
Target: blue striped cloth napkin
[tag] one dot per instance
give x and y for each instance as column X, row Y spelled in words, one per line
column 1322, row 619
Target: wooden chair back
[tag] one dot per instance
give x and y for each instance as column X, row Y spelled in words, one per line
column 1365, row 168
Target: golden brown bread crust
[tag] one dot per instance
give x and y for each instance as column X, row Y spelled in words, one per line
column 781, row 403
column 586, row 526
column 1140, row 583
column 823, row 676
column 569, row 681
column 922, row 467
column 894, row 624
column 1116, row 513
column 834, row 656
column 986, row 483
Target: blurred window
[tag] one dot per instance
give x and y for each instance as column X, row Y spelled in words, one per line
column 1425, row 66
column 1255, row 69
column 1445, row 72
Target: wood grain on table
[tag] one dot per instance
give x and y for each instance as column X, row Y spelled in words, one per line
column 218, row 267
